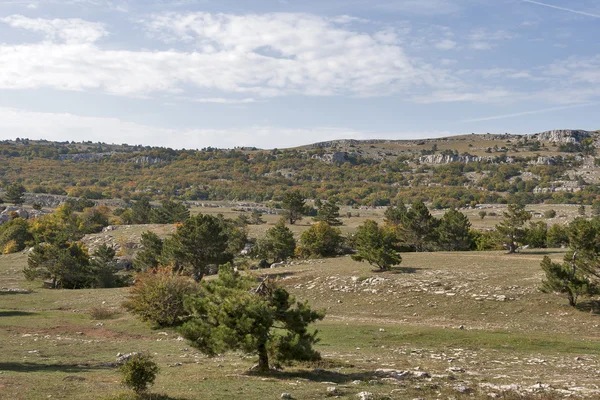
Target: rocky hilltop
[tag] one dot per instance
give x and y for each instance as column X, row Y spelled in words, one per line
column 563, row 136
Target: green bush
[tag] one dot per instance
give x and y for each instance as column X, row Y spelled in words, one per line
column 550, row 214
column 158, row 294
column 139, row 372
column 321, row 240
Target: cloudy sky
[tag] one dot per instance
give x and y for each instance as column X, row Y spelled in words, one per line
column 277, row 73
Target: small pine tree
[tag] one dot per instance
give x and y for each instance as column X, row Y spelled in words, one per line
column 293, row 206
column 139, row 372
column 376, row 245
column 454, row 231
column 320, row 240
column 150, row 255
column 565, row 278
column 511, row 228
column 14, row 194
column 328, row 211
column 482, row 214
column 395, row 215
column 232, row 313
column 278, row 243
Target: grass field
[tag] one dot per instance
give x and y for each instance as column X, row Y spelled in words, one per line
column 468, row 325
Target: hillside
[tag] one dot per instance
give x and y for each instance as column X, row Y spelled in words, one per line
column 555, row 166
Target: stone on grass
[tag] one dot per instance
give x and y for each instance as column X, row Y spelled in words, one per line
column 365, row 396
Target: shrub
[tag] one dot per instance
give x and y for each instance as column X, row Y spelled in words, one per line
column 321, row 240
column 549, row 214
column 139, row 372
column 98, row 313
column 11, row 247
column 158, row 294
column 16, row 230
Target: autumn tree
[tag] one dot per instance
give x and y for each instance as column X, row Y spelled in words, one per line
column 61, row 228
column 235, row 312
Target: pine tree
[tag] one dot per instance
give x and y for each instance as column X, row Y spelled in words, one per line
column 14, row 194
column 278, row 243
column 511, row 228
column 328, row 211
column 140, row 211
column 200, row 242
column 231, row 313
column 396, row 215
column 419, row 228
column 565, row 278
column 320, row 240
column 169, row 212
column 293, row 206
column 454, row 231
column 376, row 245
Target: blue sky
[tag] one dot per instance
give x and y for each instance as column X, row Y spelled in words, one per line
column 278, row 73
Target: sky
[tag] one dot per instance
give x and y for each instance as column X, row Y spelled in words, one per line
column 281, row 73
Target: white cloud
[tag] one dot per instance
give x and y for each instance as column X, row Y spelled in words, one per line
column 262, row 55
column 446, row 44
column 483, row 39
column 497, row 95
column 62, row 127
column 481, row 46
column 532, row 112
column 426, row 7
column 70, row 31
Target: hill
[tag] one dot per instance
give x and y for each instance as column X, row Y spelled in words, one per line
column 555, row 166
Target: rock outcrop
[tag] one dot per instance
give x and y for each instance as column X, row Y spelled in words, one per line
column 562, row 136
column 447, row 159
column 332, row 158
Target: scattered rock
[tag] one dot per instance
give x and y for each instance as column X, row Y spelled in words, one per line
column 286, row 396
column 122, row 358
column 365, row 396
column 332, row 390
column 463, row 389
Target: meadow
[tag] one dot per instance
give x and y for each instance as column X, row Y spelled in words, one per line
column 442, row 325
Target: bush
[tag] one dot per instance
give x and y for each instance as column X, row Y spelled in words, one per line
column 11, row 247
column 550, row 214
column 321, row 240
column 98, row 313
column 139, row 372
column 16, row 230
column 158, row 294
